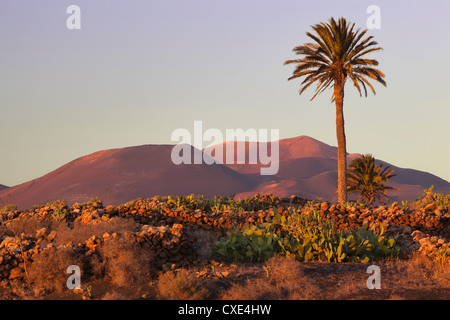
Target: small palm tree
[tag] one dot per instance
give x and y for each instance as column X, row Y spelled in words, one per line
column 367, row 179
column 337, row 55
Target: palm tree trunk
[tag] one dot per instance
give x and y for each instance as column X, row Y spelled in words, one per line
column 342, row 148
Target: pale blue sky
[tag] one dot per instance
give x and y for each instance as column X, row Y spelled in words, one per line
column 137, row 70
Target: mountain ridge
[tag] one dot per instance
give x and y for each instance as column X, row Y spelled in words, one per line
column 307, row 168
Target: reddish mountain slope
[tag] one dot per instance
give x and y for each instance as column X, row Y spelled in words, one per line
column 292, row 148
column 307, row 168
column 120, row 175
column 310, row 168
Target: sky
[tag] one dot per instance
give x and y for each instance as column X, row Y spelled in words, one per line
column 139, row 69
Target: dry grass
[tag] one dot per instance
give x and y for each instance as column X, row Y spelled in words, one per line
column 287, row 279
column 75, row 233
column 418, row 271
column 123, row 262
column 348, row 285
column 27, row 225
column 396, row 297
column 203, row 241
column 114, row 295
column 284, row 280
column 47, row 272
column 180, row 285
column 80, row 232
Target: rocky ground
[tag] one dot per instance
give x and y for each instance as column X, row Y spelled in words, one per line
column 139, row 249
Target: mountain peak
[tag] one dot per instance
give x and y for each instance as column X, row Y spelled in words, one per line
column 305, row 146
column 307, row 168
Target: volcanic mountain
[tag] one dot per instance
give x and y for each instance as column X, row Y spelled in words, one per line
column 119, row 175
column 307, row 168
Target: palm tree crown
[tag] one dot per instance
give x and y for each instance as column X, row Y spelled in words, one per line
column 338, row 54
column 368, row 179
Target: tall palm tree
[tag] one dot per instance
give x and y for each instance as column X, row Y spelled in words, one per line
column 337, row 55
column 367, row 179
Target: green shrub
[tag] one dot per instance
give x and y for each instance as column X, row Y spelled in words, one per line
column 182, row 285
column 428, row 197
column 313, row 237
column 309, row 224
column 220, row 204
column 94, row 200
column 308, row 236
column 59, row 209
column 190, row 202
column 354, row 246
column 8, row 208
column 252, row 243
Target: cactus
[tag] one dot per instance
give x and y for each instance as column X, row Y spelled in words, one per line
column 308, row 237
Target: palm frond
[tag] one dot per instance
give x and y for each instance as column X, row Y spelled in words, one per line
column 338, row 52
column 369, row 180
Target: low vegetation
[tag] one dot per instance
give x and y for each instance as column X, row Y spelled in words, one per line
column 220, row 204
column 309, row 237
column 181, row 285
column 8, row 208
column 196, row 248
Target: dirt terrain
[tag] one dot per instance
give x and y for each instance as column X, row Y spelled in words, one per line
column 158, row 248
